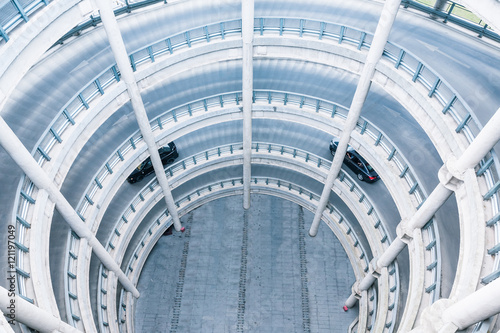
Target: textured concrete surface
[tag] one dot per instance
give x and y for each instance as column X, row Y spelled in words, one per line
column 245, row 272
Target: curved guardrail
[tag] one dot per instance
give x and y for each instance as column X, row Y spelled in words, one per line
column 190, row 162
column 304, row 102
column 452, row 105
column 307, row 103
column 14, row 12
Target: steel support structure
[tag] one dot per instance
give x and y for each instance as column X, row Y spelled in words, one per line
column 22, row 311
column 380, row 38
column 14, row 147
column 122, row 60
column 247, row 18
column 450, row 176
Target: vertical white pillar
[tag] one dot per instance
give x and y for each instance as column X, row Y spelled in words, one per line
column 380, row 37
column 122, row 60
column 247, row 15
column 14, row 147
column 22, row 311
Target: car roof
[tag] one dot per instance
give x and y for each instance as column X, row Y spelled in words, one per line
column 349, row 148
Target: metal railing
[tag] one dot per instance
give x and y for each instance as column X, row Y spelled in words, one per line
column 454, row 12
column 171, row 117
column 120, row 7
column 14, row 12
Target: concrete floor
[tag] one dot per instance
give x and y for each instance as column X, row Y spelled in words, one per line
column 285, row 281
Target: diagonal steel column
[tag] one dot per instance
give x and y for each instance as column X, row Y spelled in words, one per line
column 380, row 37
column 247, row 18
column 482, row 144
column 19, row 310
column 14, row 147
column 120, row 53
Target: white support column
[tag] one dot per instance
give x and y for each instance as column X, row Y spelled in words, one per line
column 247, row 15
column 14, row 147
column 21, row 311
column 482, row 144
column 478, row 306
column 122, row 60
column 380, row 37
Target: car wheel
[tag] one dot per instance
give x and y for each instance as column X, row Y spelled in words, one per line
column 170, row 161
column 139, row 178
column 360, row 176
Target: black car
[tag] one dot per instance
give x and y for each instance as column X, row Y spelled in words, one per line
column 357, row 164
column 168, row 154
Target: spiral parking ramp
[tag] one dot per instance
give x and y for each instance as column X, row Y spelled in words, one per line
column 77, row 235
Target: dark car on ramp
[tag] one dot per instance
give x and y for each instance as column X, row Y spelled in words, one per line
column 356, row 163
column 168, row 154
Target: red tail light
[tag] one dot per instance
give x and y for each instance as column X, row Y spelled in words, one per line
column 372, row 178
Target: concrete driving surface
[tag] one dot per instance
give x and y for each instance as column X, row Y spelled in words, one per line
column 253, row 271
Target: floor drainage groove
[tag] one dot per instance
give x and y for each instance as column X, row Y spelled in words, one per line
column 176, row 311
column 306, row 320
column 243, row 276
